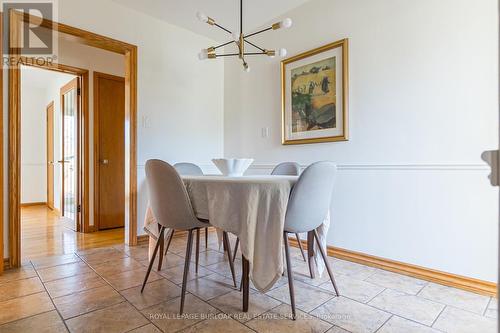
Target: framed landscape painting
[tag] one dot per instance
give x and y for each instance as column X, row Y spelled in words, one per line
column 315, row 95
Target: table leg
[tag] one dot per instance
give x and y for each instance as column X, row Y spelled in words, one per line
column 310, row 252
column 245, row 282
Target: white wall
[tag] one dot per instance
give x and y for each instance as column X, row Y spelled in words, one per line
column 181, row 97
column 33, row 145
column 38, row 88
column 423, row 106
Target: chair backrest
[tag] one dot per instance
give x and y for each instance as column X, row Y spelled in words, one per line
column 168, row 197
column 311, row 198
column 286, row 169
column 188, row 169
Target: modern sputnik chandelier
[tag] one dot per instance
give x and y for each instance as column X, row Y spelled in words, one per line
column 241, row 40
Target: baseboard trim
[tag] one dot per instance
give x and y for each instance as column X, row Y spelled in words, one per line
column 447, row 279
column 31, row 204
column 6, row 264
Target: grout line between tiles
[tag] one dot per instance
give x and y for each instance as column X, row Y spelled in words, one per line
column 385, row 322
column 51, row 300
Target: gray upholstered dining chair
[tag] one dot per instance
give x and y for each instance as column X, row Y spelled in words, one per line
column 188, row 169
column 308, row 205
column 287, row 169
column 172, row 209
column 282, row 169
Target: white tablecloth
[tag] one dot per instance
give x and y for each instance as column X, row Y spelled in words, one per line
column 253, row 208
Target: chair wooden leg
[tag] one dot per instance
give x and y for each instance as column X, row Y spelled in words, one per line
column 236, row 248
column 245, row 282
column 169, row 240
column 300, row 246
column 161, row 254
column 327, row 264
column 310, row 252
column 206, row 238
column 290, row 273
column 197, row 249
column 151, row 262
column 187, row 261
column 227, row 246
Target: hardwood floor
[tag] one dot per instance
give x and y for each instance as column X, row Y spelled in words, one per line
column 44, row 234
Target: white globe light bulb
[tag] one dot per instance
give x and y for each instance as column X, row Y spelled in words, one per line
column 202, row 17
column 236, row 37
column 286, row 23
column 282, row 52
column 246, row 68
column 203, row 55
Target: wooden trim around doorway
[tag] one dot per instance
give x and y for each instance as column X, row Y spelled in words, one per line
column 90, row 39
column 97, row 152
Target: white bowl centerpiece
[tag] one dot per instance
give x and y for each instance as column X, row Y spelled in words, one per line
column 232, row 167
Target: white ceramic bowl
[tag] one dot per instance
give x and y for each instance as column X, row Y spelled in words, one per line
column 232, row 167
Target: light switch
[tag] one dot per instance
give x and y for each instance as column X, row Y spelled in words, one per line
column 146, row 122
column 265, row 132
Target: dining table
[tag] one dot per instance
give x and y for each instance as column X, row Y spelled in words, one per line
column 253, row 208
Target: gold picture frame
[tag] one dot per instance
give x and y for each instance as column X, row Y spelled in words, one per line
column 315, row 95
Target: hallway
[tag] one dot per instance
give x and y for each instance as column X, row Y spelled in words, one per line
column 44, row 234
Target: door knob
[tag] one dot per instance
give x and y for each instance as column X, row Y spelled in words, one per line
column 51, row 162
column 105, row 161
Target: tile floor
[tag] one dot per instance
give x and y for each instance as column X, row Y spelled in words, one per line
column 98, row 290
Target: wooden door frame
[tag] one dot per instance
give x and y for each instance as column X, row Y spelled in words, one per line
column 90, row 39
column 97, row 164
column 50, row 105
column 74, row 84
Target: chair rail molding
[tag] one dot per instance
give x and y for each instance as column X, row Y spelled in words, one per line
column 399, row 166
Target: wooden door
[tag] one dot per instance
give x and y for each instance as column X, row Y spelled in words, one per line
column 109, row 142
column 50, row 155
column 70, row 153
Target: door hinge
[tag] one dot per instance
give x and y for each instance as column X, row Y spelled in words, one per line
column 79, row 91
column 79, row 208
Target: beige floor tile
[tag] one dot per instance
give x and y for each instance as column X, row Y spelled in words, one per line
column 336, row 329
column 175, row 274
column 146, row 329
column 45, row 262
column 232, row 304
column 357, row 290
column 397, row 325
column 138, row 252
column 48, row 322
column 306, row 297
column 121, row 317
column 492, row 310
column 210, row 257
column 279, row 320
column 408, row 306
column 22, row 307
column 154, row 293
column 301, row 273
column 351, row 315
column 74, row 284
column 210, row 286
column 397, row 282
column 460, row 321
column 455, row 297
column 63, row 271
column 131, row 279
column 19, row 288
column 103, row 256
column 17, row 274
column 171, row 260
column 85, row 301
column 218, row 325
column 117, row 266
column 223, row 268
column 351, row 269
column 166, row 315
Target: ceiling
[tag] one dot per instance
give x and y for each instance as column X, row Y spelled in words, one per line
column 225, row 12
